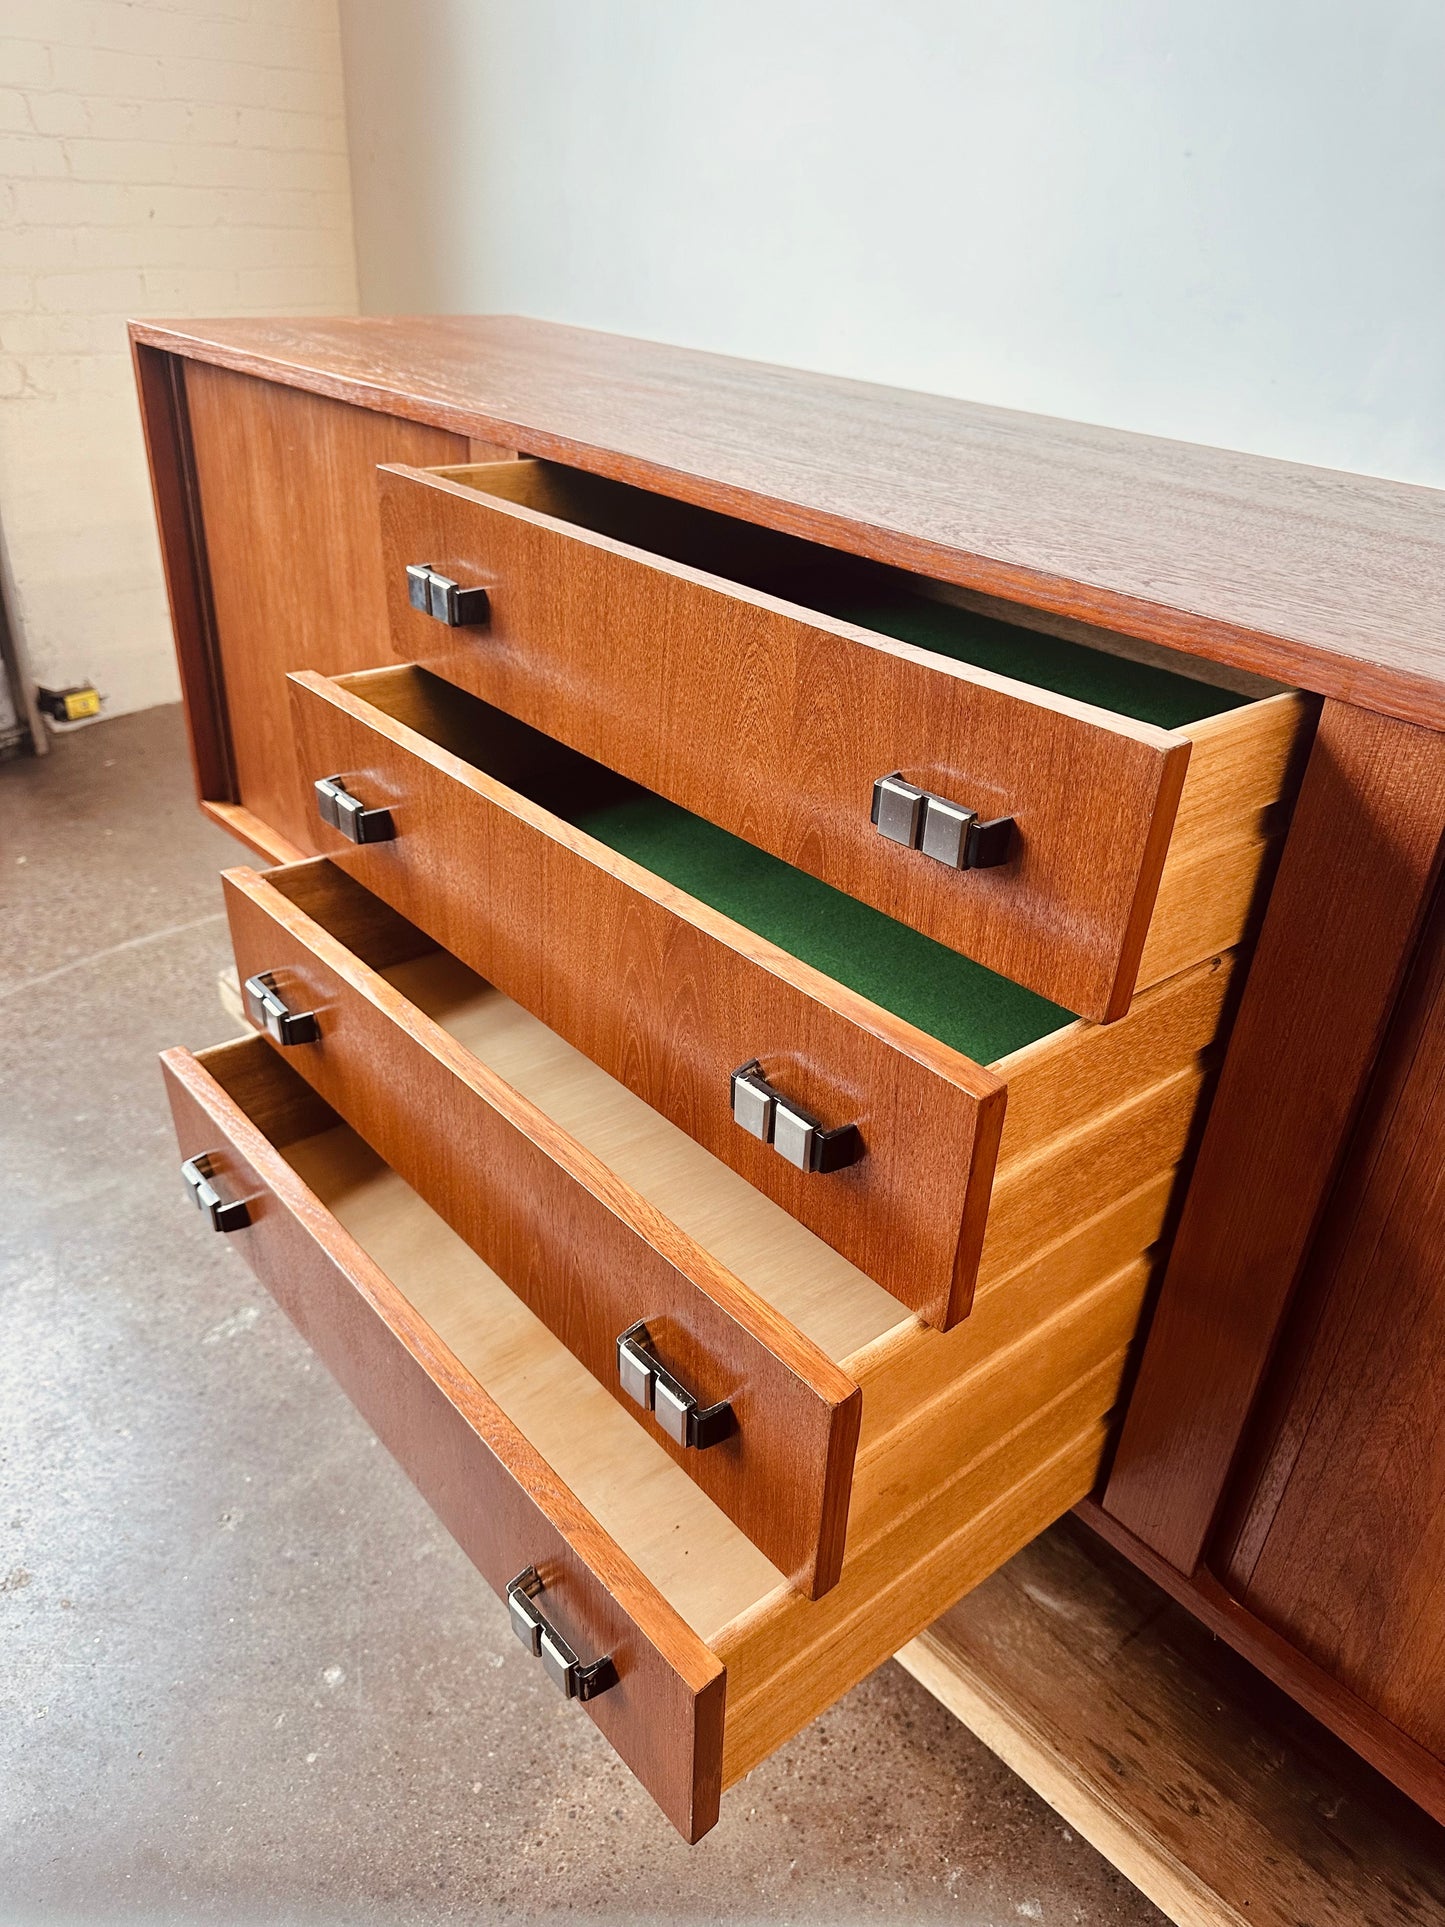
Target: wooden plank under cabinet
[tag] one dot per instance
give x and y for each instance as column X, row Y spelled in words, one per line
column 1223, row 1802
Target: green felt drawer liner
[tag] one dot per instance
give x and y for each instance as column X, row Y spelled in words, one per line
column 836, row 584
column 938, row 991
column 1135, row 689
column 949, row 996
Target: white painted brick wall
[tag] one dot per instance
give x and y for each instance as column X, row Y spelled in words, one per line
column 157, row 157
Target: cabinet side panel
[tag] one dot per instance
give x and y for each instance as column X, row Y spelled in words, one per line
column 285, row 480
column 160, row 386
column 1340, row 1541
column 1356, row 875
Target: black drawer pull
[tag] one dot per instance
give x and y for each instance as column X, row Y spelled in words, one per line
column 944, row 830
column 267, row 1010
column 643, row 1377
column 437, row 596
column 544, row 1642
column 338, row 807
column 232, row 1216
column 795, row 1134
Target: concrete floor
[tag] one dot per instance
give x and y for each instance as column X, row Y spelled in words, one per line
column 244, row 1675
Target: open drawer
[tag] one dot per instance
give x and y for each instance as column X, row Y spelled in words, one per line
column 562, row 1180
column 1079, row 819
column 673, row 996
column 604, row 1217
column 678, row 1638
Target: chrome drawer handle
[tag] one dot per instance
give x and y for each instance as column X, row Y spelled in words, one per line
column 944, row 830
column 644, row 1378
column 795, row 1134
column 338, row 807
column 204, row 1195
column 544, row 1642
column 267, row 1010
column 437, row 596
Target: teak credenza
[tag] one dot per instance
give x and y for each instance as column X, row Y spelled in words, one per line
column 845, row 972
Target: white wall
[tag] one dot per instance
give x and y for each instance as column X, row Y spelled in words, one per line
column 168, row 157
column 1220, row 221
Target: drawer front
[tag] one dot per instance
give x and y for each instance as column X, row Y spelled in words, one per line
column 671, row 998
column 498, row 1498
column 588, row 1255
column 776, row 723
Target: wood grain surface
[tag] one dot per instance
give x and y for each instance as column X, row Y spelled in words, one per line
column 775, row 722
column 1357, row 872
column 1046, row 1197
column 1222, row 1802
column 1245, row 769
column 464, row 1385
column 583, row 1249
column 1071, row 1206
column 170, row 455
column 1328, row 581
column 1317, row 1691
column 1085, row 1070
column 1338, row 1534
column 903, row 1371
column 533, row 906
column 248, row 828
column 284, row 491
column 1042, row 1431
column 494, row 1493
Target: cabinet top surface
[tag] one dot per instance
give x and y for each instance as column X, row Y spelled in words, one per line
column 1331, row 581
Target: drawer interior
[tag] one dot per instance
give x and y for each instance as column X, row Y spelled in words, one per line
column 830, row 1300
column 708, row 1569
column 1099, row 1118
column 938, row 990
column 945, row 1499
column 1106, row 671
column 965, row 1005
